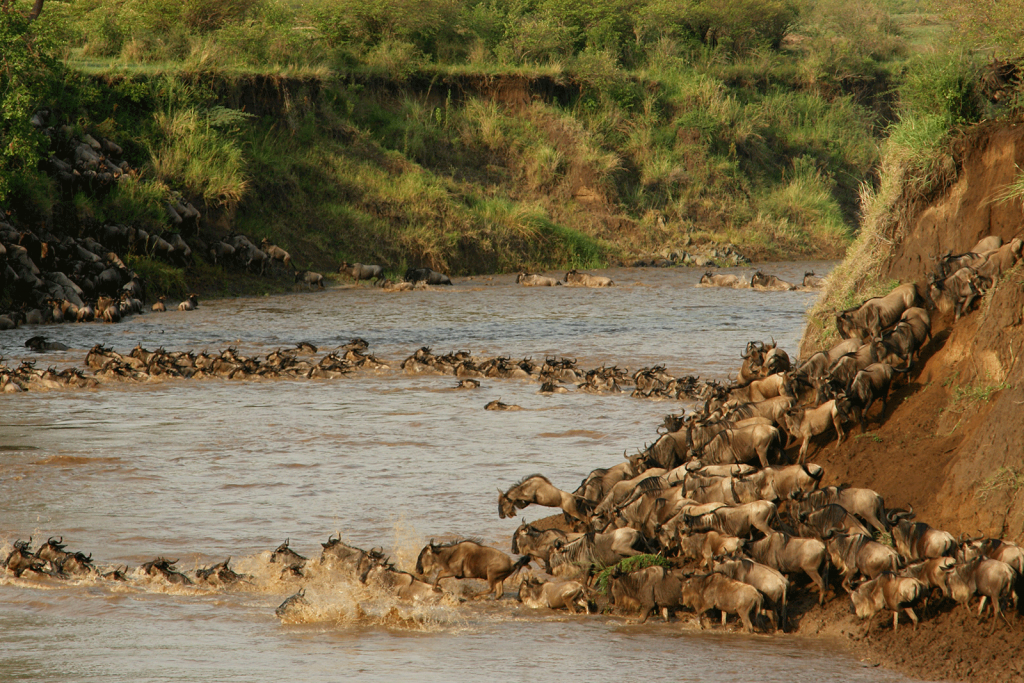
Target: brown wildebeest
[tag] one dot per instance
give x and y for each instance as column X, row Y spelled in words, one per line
column 874, row 315
column 537, row 594
column 191, row 303
column 805, row 423
column 574, row 277
column 647, row 589
column 469, row 560
column 276, row 253
column 311, row 279
column 710, row 279
column 917, row 540
column 406, row 586
column 770, row 582
column 361, row 271
column 860, row 554
column 887, row 590
column 716, row 591
column 538, row 489
column 772, row 282
column 531, row 280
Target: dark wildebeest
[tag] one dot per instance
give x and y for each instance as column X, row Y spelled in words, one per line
column 165, row 568
column 874, row 315
column 787, row 554
column 220, row 573
column 772, row 584
column 431, row 277
column 538, row 489
column 764, row 281
column 348, row 558
column 831, row 517
column 907, row 337
column 469, row 560
column 870, row 384
column 859, row 554
column 292, row 605
column 21, row 559
column 999, row 261
column 537, row 594
column 887, row 590
column 917, row 540
column 361, row 271
column 574, row 277
column 957, row 292
column 531, row 280
column 292, row 561
column 716, row 591
column 646, row 589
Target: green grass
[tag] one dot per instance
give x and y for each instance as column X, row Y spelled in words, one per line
column 630, row 564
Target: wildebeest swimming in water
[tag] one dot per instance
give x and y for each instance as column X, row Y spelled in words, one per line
column 468, row 384
column 292, row 604
column 292, row 561
column 39, row 343
column 469, row 560
column 431, row 277
column 498, row 405
column 221, row 573
column 165, row 568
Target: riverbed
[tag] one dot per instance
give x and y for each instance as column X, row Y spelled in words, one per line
column 200, row 470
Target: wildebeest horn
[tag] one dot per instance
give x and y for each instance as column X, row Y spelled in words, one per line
column 828, row 534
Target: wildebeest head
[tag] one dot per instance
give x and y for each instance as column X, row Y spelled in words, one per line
column 506, row 506
column 286, row 555
column 427, row 559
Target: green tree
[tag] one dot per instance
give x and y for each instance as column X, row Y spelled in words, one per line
column 29, row 67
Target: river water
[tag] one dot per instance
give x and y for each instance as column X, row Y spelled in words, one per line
column 202, row 470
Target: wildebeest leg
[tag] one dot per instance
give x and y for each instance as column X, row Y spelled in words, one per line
column 895, row 619
column 913, row 617
column 803, row 450
column 440, row 575
column 725, row 617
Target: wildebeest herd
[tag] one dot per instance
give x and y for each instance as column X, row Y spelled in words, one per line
column 717, row 514
column 762, row 281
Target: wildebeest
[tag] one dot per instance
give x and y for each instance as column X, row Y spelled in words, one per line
column 870, row 384
column 957, row 292
column 932, row 573
column 220, row 573
column 874, row 315
column 165, row 568
column 741, row 445
column 160, row 306
column 577, row 556
column 310, row 278
column 431, row 277
column 361, row 271
column 538, row 489
column 574, row 277
column 739, row 520
column 813, row 281
column 403, row 584
column 292, row 605
column 1000, row 260
column 646, row 589
column 21, row 559
column 531, row 280
column 539, row 543
column 292, row 561
column 276, row 253
column 764, row 281
column 992, row 579
column 860, row 554
column 917, row 540
column 469, row 560
column 190, row 303
column 887, row 590
column 864, row 503
column 712, row 279
column 348, row 558
column 831, row 517
column 788, row 554
column 770, row 582
column 537, row 594
column 806, row 423
column 716, row 591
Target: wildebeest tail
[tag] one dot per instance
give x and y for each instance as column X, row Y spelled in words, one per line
column 519, row 564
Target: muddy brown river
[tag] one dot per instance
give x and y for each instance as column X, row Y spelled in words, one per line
column 202, row 470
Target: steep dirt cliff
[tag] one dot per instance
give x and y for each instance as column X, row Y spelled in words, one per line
column 951, row 442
